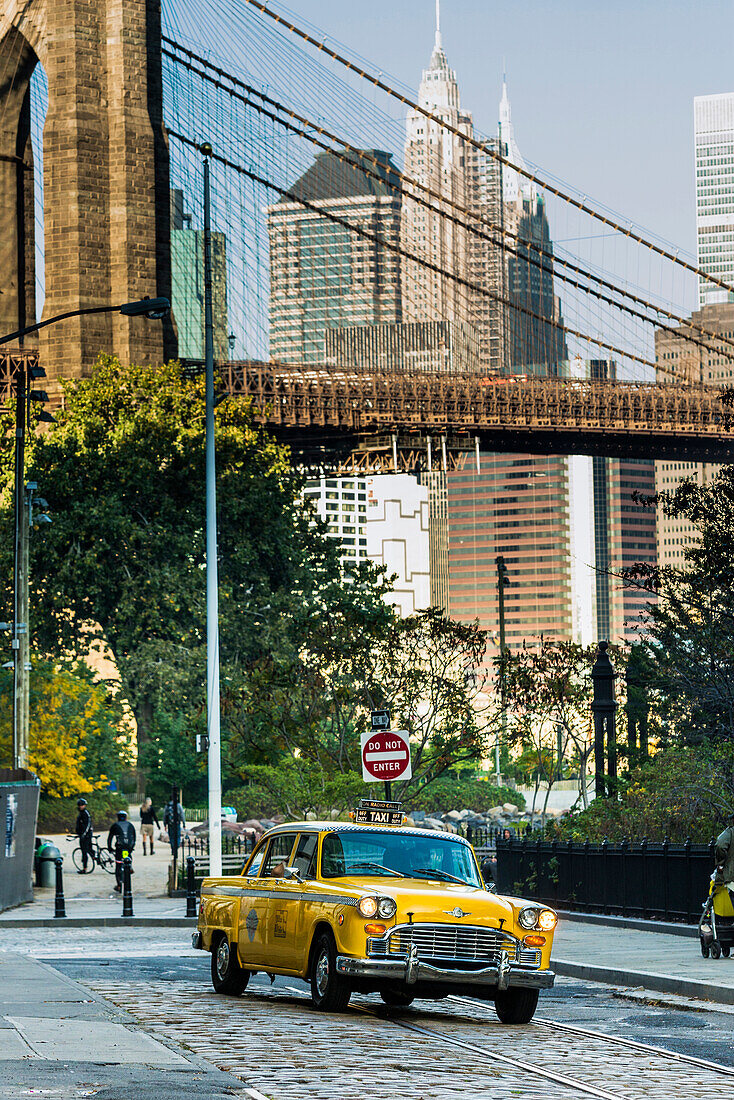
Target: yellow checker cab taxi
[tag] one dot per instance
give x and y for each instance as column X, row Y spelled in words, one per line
column 375, row 907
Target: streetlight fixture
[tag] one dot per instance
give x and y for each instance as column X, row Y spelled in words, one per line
column 155, row 308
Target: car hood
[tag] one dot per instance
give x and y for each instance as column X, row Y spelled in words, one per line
column 429, row 899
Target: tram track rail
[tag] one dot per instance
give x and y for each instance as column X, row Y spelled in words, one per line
column 533, row 1069
column 602, row 1036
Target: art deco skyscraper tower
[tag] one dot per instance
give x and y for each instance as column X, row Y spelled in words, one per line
column 439, row 160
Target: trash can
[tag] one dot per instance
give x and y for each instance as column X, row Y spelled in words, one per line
column 46, row 857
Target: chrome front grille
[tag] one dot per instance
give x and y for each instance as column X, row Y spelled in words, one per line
column 454, row 942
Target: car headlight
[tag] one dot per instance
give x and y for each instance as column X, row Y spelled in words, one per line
column 387, row 907
column 528, row 918
column 368, row 906
column 547, row 920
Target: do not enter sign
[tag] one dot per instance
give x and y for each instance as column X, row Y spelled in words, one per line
column 385, row 755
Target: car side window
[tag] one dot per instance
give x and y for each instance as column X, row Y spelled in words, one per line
column 254, row 868
column 279, row 852
column 305, row 857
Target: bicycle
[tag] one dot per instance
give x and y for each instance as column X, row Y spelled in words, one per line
column 100, row 857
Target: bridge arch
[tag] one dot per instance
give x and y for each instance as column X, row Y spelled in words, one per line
column 105, row 171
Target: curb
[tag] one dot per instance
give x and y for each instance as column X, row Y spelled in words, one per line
column 658, row 983
column 638, row 923
column 99, row 922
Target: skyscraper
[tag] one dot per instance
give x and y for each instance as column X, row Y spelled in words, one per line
column 187, row 284
column 323, row 275
column 439, row 160
column 714, row 138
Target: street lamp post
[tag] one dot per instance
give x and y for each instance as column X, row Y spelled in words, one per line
column 213, row 729
column 150, row 307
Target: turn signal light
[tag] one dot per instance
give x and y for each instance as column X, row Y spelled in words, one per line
column 534, row 941
column 379, row 929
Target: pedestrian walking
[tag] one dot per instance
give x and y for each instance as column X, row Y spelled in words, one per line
column 148, row 820
column 174, row 822
column 121, row 840
column 725, row 857
column 83, row 830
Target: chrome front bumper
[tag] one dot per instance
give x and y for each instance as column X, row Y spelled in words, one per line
column 505, row 975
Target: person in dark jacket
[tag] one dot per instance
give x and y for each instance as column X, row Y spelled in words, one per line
column 148, row 819
column 121, row 838
column 174, row 822
column 83, row 830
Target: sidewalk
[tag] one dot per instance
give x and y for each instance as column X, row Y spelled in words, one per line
column 663, row 962
column 57, row 1038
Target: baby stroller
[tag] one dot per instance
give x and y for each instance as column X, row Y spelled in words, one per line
column 716, row 926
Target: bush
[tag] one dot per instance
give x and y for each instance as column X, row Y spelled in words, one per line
column 58, row 815
column 679, row 793
column 463, row 792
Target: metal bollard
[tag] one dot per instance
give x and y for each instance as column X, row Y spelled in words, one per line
column 60, row 904
column 127, row 888
column 190, row 888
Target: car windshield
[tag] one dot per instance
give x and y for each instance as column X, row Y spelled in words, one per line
column 368, row 852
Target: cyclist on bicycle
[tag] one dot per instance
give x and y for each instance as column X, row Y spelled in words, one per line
column 83, row 830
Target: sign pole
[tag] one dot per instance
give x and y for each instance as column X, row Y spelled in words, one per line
column 388, row 790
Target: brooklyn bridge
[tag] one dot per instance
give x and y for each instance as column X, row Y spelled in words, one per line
column 125, row 110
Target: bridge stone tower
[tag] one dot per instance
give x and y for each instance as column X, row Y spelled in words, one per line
column 106, row 176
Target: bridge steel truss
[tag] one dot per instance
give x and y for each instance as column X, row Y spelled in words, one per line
column 371, row 421
column 322, row 411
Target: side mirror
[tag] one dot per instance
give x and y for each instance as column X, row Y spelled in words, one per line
column 293, row 873
column 491, row 886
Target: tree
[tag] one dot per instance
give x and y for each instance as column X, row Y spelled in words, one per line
column 122, row 565
column 689, row 632
column 549, row 691
column 77, row 731
column 302, row 708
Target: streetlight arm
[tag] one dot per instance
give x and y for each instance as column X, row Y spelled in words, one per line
column 151, row 307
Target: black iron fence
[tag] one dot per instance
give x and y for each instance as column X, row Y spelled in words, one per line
column 641, row 879
column 484, row 838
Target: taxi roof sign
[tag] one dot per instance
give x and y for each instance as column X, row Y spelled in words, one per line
column 375, row 812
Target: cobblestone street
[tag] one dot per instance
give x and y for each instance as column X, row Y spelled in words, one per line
column 276, row 1042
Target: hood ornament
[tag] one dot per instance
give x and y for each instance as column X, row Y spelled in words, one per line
column 457, row 912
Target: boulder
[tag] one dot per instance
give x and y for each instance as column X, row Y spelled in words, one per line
column 452, row 815
column 410, row 821
column 494, row 813
column 253, row 823
column 510, row 809
column 311, row 816
column 334, row 814
column 418, row 815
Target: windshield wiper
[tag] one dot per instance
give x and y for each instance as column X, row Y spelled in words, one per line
column 376, row 867
column 433, row 872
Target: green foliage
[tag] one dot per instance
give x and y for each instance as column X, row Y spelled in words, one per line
column 679, row 793
column 77, row 733
column 169, row 757
column 689, row 674
column 58, row 815
column 122, row 566
column 461, row 792
column 295, row 791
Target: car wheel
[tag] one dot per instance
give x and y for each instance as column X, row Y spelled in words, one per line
column 705, row 950
column 716, row 950
column 516, row 1006
column 396, row 999
column 228, row 977
column 329, row 991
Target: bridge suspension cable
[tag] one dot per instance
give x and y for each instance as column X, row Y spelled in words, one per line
column 370, row 166
column 486, row 148
column 390, row 246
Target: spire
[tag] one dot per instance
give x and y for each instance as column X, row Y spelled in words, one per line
column 439, row 43
column 505, row 115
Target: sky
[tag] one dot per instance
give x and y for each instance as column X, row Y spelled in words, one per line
column 601, row 93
